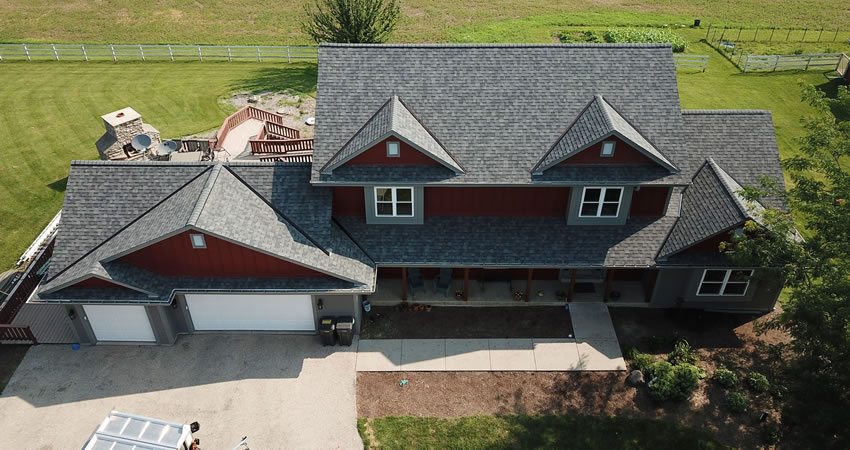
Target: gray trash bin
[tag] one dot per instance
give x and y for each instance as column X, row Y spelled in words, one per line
column 327, row 325
column 345, row 329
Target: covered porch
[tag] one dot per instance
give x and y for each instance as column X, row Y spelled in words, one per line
column 512, row 286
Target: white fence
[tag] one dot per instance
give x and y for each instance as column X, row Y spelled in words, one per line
column 780, row 62
column 164, row 52
column 697, row 61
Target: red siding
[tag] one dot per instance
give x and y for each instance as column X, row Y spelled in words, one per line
column 496, row 201
column 349, row 201
column 649, row 201
column 408, row 156
column 95, row 282
column 623, row 154
column 176, row 257
column 709, row 245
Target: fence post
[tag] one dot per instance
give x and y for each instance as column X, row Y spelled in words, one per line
column 707, row 31
column 804, row 34
column 771, row 34
column 821, row 33
column 85, row 56
column 27, row 51
column 288, row 57
column 200, row 56
column 746, row 62
column 259, row 58
column 229, row 56
column 114, row 58
column 808, row 62
column 788, row 35
column 775, row 64
column 170, row 53
column 836, row 35
column 739, row 34
column 756, row 35
column 54, row 51
column 141, row 52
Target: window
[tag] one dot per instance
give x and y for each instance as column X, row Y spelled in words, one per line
column 608, row 149
column 724, row 282
column 198, row 241
column 393, row 149
column 394, row 202
column 601, row 202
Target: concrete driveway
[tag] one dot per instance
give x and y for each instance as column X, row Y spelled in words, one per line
column 280, row 391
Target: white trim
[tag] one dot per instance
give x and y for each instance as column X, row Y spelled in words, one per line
column 202, row 243
column 724, row 283
column 397, row 149
column 613, row 147
column 602, row 202
column 394, row 202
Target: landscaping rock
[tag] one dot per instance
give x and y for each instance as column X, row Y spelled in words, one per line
column 635, row 378
column 253, row 99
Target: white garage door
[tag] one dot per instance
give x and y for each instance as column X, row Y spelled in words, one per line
column 247, row 312
column 124, row 323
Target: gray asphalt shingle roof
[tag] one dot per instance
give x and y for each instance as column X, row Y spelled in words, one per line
column 499, row 108
column 393, row 118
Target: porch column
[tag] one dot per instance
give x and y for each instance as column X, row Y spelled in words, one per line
column 609, row 278
column 528, row 285
column 572, row 285
column 466, row 284
column 404, row 284
column 650, row 288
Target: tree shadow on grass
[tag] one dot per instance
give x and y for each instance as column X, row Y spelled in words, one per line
column 300, row 77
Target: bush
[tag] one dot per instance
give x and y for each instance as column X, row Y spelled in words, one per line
column 647, row 35
column 771, row 434
column 669, row 382
column 565, row 37
column 725, row 378
column 641, row 361
column 590, row 36
column 682, row 353
column 758, row 382
column 738, row 402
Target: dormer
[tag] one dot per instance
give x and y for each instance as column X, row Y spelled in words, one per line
column 600, row 135
column 393, row 136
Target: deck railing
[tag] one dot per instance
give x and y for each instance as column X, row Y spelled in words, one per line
column 291, row 157
column 282, row 132
column 280, row 146
column 26, row 285
column 17, row 334
column 249, row 112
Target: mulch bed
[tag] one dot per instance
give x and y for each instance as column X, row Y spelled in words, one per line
column 457, row 322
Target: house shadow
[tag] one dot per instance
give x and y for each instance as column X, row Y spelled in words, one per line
column 56, row 374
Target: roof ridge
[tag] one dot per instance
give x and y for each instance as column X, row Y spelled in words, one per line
column 204, row 195
column 605, row 113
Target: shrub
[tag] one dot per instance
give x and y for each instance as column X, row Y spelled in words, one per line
column 669, row 382
column 641, row 361
column 590, row 36
column 565, row 37
column 771, row 433
column 725, row 378
column 647, row 35
column 682, row 353
column 738, row 402
column 758, row 382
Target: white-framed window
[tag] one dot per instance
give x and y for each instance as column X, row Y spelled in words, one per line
column 393, row 149
column 600, row 202
column 394, row 201
column 198, row 241
column 608, row 149
column 724, row 282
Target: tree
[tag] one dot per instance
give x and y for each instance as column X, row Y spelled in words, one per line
column 817, row 270
column 351, row 21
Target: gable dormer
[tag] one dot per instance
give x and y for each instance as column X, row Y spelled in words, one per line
column 393, row 136
column 600, row 135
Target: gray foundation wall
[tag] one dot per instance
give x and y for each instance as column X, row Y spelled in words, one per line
column 677, row 287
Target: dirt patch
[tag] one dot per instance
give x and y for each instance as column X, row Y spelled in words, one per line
column 294, row 107
column 455, row 322
column 721, row 339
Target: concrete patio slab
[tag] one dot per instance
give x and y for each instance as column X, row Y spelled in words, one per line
column 468, row 354
column 423, row 355
column 599, row 354
column 379, row 355
column 592, row 321
column 556, row 354
column 512, row 354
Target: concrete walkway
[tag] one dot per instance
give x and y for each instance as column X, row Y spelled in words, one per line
column 594, row 348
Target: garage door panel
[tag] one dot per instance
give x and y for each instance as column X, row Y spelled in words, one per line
column 245, row 312
column 120, row 323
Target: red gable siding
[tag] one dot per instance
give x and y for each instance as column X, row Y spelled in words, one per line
column 496, row 201
column 623, row 154
column 349, row 201
column 649, row 201
column 711, row 245
column 408, row 156
column 176, row 257
column 95, row 282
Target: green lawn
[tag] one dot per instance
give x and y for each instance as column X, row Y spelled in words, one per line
column 511, row 432
column 51, row 116
column 256, row 22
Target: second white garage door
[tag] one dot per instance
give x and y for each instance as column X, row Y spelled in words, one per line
column 246, row 312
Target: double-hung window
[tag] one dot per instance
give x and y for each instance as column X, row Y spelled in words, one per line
column 394, row 201
column 601, row 202
column 730, row 282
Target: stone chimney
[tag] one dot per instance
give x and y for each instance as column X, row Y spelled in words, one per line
column 121, row 127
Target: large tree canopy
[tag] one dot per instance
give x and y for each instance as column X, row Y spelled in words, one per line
column 817, row 312
column 351, row 21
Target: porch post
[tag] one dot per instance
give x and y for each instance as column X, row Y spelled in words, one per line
column 466, row 284
column 528, row 285
column 651, row 286
column 609, row 278
column 572, row 285
column 404, row 284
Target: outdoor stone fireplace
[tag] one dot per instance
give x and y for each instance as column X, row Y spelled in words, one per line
column 121, row 127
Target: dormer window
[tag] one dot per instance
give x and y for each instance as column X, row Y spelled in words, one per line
column 608, row 149
column 198, row 241
column 393, row 149
column 601, row 202
column 394, row 201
